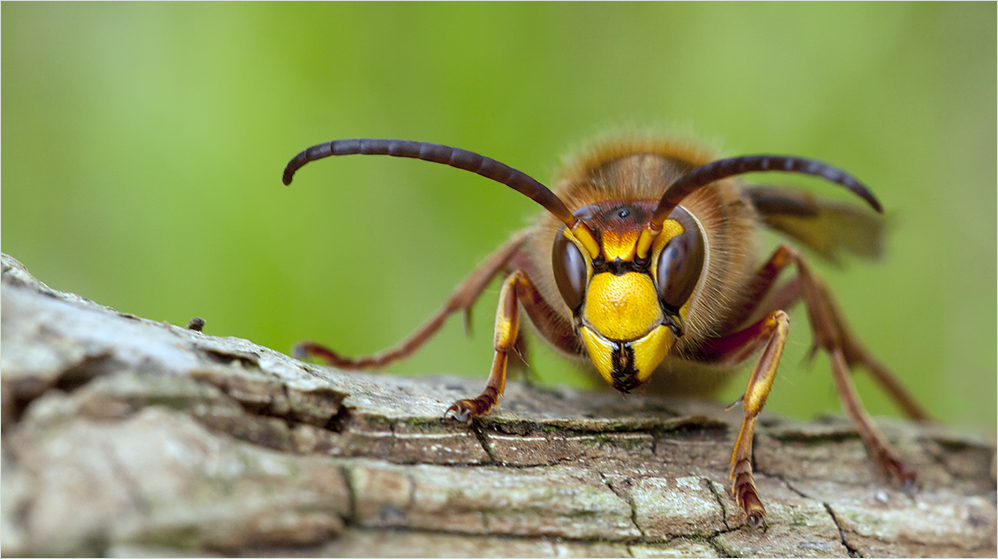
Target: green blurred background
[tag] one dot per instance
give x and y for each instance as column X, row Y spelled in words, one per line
column 143, row 146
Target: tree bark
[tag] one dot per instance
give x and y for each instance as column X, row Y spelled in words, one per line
column 124, row 436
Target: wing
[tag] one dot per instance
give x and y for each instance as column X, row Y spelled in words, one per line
column 826, row 226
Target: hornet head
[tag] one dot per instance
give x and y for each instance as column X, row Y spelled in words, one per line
column 630, row 310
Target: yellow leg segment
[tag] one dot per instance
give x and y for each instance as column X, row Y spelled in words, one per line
column 831, row 335
column 774, row 327
column 507, row 329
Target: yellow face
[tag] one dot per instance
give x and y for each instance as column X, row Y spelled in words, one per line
column 623, row 314
column 622, row 328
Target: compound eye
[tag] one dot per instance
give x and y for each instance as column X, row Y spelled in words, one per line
column 680, row 264
column 569, row 270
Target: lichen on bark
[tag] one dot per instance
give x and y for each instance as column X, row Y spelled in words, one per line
column 123, row 436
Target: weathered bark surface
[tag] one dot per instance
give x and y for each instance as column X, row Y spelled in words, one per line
column 123, row 436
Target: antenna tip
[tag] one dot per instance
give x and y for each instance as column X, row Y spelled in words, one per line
column 863, row 192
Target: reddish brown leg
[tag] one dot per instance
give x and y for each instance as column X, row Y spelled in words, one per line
column 893, row 387
column 831, row 335
column 882, row 453
column 760, row 286
column 463, row 297
column 516, row 290
column 855, row 354
column 756, row 303
column 771, row 330
column 507, row 332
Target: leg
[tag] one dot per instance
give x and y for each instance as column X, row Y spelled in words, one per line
column 756, row 292
column 516, row 290
column 462, row 298
column 855, row 354
column 882, row 453
column 831, row 335
column 756, row 303
column 773, row 331
column 507, row 332
column 519, row 365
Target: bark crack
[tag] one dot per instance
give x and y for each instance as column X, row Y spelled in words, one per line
column 75, row 376
column 720, row 502
column 289, row 457
column 483, row 440
column 627, row 498
column 853, row 552
column 721, row 551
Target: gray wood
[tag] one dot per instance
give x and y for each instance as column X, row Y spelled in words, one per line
column 124, row 436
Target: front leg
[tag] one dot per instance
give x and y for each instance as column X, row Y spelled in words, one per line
column 507, row 330
column 771, row 330
column 831, row 335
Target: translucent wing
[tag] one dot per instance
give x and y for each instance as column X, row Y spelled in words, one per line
column 826, row 226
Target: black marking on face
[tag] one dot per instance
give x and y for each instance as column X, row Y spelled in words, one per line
column 620, row 267
column 675, row 322
column 624, row 375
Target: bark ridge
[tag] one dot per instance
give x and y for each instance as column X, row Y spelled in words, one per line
column 124, row 436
